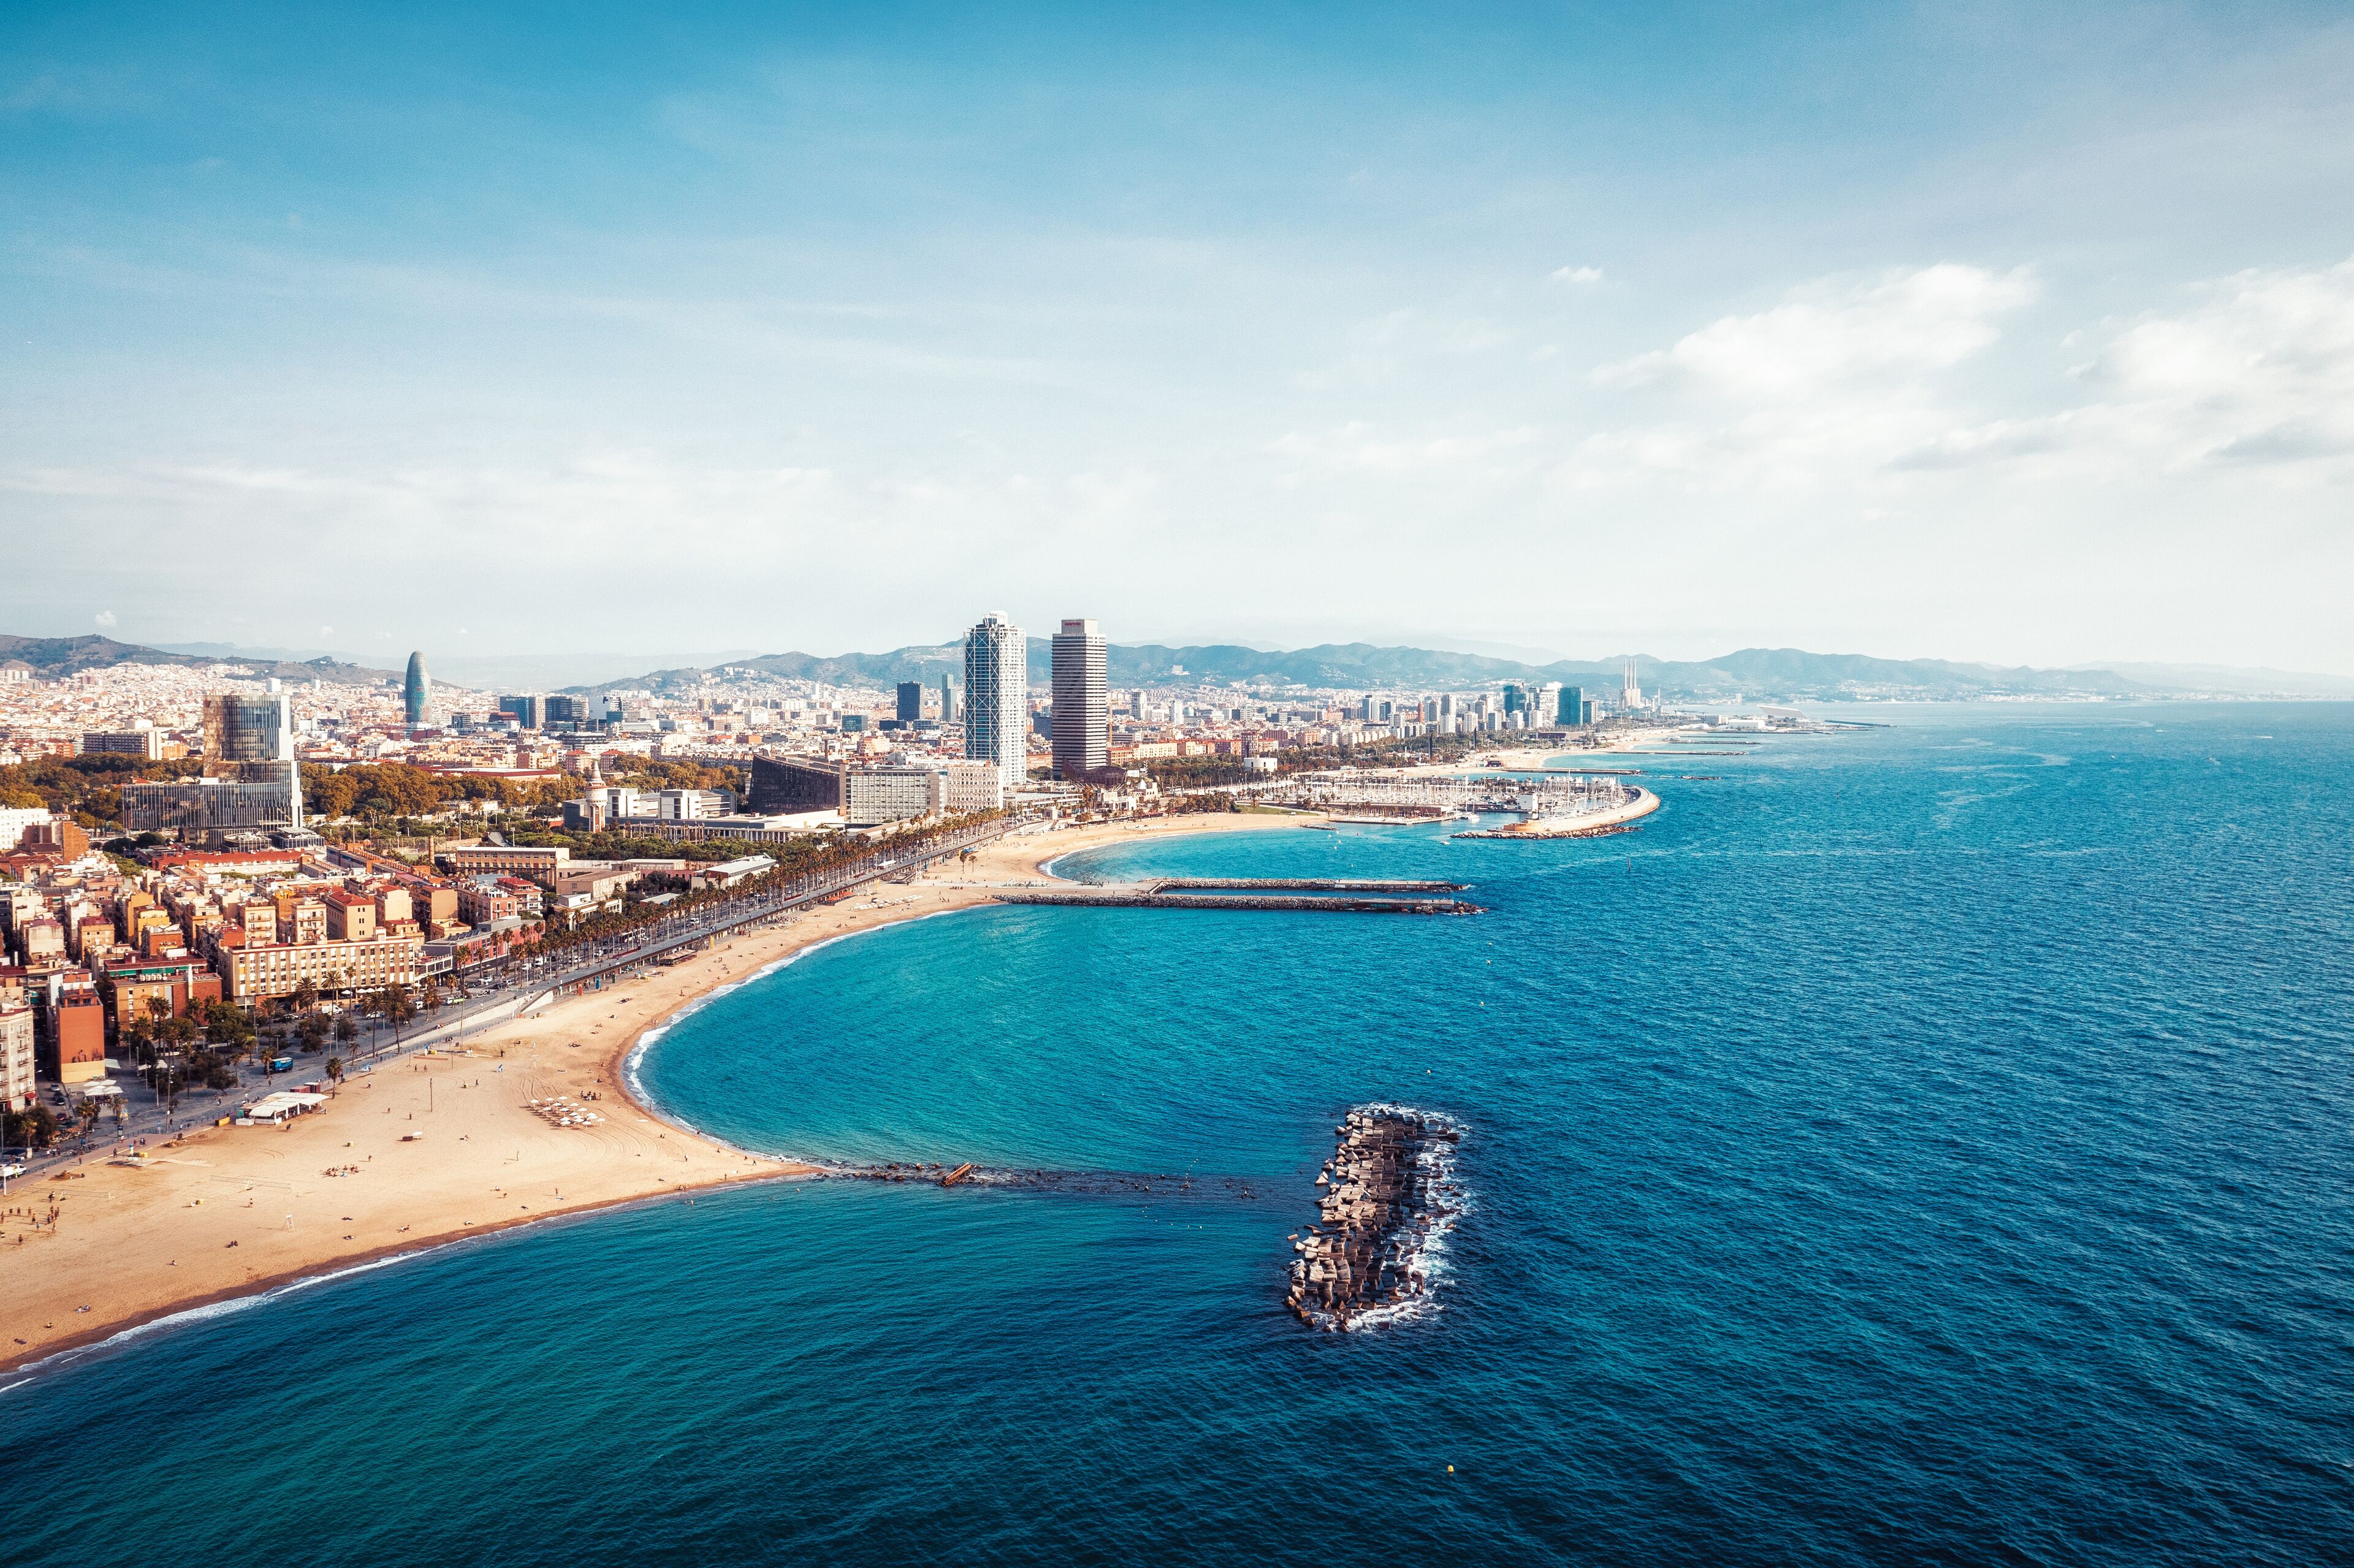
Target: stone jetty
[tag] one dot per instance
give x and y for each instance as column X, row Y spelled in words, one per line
column 1021, row 1179
column 1386, row 1191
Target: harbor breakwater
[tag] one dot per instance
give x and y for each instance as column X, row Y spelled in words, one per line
column 1384, row 1199
column 1385, row 1196
column 1094, row 1183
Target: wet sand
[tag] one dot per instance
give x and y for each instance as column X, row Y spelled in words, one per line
column 229, row 1211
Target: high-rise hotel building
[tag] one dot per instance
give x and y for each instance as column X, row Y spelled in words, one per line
column 997, row 697
column 1082, row 701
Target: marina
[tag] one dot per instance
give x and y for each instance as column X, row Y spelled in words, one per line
column 1548, row 805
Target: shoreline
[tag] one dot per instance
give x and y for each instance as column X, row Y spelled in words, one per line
column 46, row 1275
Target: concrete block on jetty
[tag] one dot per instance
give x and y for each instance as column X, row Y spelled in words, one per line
column 1384, row 1196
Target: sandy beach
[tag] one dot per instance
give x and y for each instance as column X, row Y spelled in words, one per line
column 434, row 1147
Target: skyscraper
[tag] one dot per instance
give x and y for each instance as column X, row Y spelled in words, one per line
column 911, row 701
column 239, row 729
column 250, row 741
column 947, row 701
column 417, row 692
column 1572, row 709
column 1082, row 701
column 997, row 696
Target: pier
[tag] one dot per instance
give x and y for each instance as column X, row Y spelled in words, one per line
column 1304, row 894
column 1297, row 885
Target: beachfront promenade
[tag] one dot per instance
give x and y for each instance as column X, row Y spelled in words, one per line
column 497, row 993
column 764, row 899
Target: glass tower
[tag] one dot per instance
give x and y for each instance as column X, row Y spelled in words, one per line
column 417, row 692
column 997, row 697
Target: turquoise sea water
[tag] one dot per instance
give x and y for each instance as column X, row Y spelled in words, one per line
column 1924, row 1144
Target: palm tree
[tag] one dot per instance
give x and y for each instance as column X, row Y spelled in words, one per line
column 398, row 1008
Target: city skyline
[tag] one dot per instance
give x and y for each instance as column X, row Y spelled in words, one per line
column 1976, row 334
column 916, row 780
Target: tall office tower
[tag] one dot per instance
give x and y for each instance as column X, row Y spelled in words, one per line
column 250, row 739
column 911, row 701
column 947, row 701
column 1082, row 701
column 1571, row 709
column 997, row 697
column 240, row 728
column 417, row 692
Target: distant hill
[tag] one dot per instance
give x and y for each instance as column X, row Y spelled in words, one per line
column 71, row 655
column 2229, row 680
column 453, row 666
column 56, row 656
column 1757, row 674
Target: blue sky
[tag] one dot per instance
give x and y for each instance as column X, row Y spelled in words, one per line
column 1943, row 331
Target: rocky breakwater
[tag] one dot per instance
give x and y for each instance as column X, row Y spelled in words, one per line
column 1382, row 1199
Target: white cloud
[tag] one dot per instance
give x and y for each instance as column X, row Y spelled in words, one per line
column 1823, row 388
column 1354, row 446
column 2257, row 373
column 1900, row 324
column 1576, row 275
column 1847, row 393
column 105, row 619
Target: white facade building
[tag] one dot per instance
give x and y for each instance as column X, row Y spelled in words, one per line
column 15, row 820
column 16, row 1057
column 873, row 796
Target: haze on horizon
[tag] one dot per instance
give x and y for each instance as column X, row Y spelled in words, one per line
column 1965, row 332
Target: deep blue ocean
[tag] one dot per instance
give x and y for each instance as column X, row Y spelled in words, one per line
column 1924, row 1144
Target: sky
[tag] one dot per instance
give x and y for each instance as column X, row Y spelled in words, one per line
column 2022, row 334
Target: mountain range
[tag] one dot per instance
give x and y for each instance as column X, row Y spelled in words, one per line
column 55, row 656
column 1756, row 674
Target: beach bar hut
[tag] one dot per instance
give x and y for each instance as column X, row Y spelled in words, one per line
column 275, row 1107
